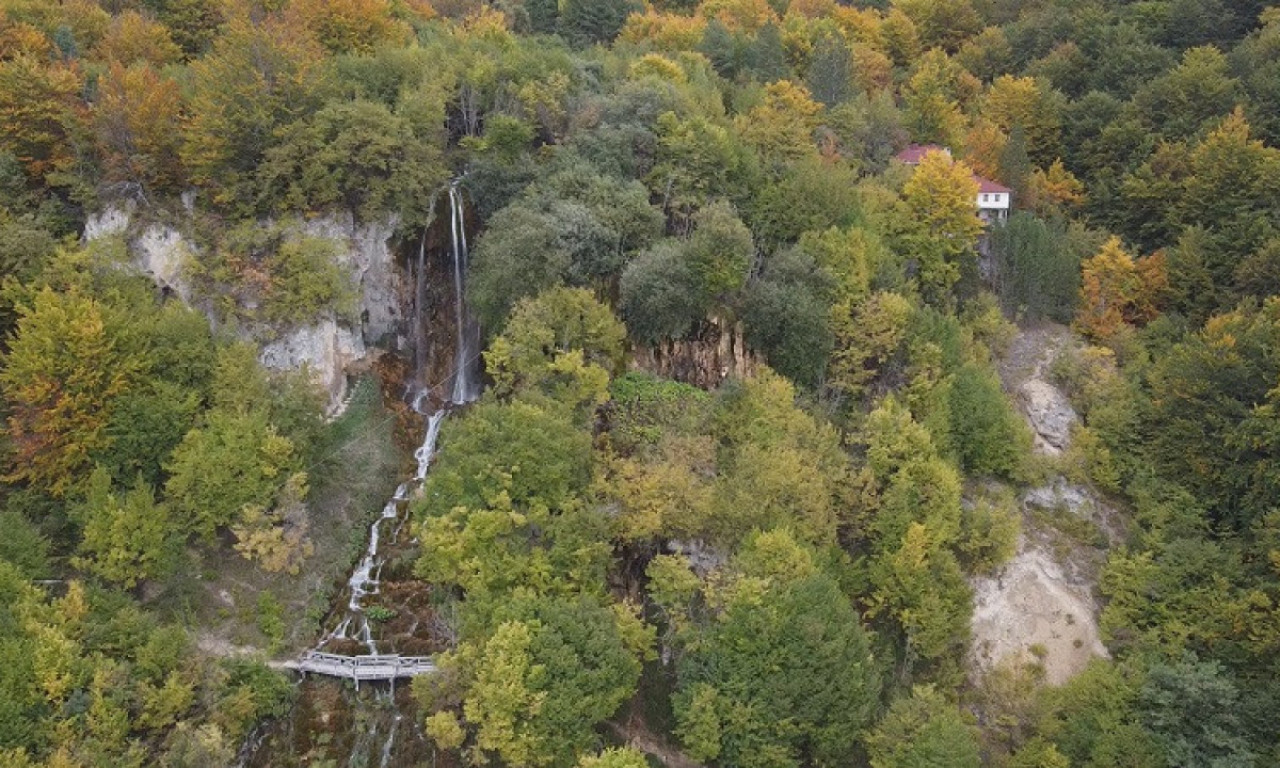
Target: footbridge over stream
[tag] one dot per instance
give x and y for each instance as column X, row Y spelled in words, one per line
column 362, row 668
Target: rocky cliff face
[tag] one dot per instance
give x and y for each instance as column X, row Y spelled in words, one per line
column 329, row 348
column 715, row 352
column 366, row 252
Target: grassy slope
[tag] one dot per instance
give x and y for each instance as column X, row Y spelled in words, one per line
column 234, row 607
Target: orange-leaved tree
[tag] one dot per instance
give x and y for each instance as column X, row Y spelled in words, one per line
column 39, row 111
column 136, row 125
column 1117, row 290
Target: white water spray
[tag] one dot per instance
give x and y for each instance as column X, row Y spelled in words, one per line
column 365, row 579
column 467, row 334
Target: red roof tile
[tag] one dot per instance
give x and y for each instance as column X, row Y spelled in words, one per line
column 913, row 154
column 987, row 185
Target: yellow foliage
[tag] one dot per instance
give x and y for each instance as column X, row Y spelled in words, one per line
column 1055, row 188
column 873, row 70
column 739, row 15
column 137, row 125
column 940, row 195
column 349, row 26
column 666, row 498
column 867, row 336
column 860, row 25
column 983, row 144
column 655, row 65
column 39, row 106
column 491, row 24
column 901, row 38
column 782, row 126
column 134, row 37
column 1020, row 101
column 1117, row 291
column 664, row 31
column 935, row 96
column 22, row 39
column 444, row 729
column 277, row 539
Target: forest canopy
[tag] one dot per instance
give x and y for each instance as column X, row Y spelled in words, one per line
column 751, row 434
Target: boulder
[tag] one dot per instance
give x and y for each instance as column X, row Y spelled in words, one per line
column 1049, row 413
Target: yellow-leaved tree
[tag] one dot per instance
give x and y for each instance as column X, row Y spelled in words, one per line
column 1117, row 290
column 61, row 372
column 941, row 222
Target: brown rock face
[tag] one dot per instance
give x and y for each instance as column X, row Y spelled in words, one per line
column 714, row 352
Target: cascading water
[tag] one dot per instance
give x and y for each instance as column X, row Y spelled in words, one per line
column 354, row 625
column 465, row 354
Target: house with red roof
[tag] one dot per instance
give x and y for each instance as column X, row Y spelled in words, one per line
column 994, row 200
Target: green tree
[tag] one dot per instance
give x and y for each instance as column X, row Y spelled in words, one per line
column 942, row 23
column 1093, row 718
column 1200, row 89
column 563, row 343
column 584, row 22
column 544, row 15
column 985, row 431
column 1037, row 270
column 924, row 730
column 779, row 673
column 1192, row 710
column 530, row 453
column 127, row 538
column 768, row 56
column 256, row 79
column 359, row 155
column 787, row 318
column 830, row 76
column 234, row 460
column 146, row 424
column 547, row 674
column 720, row 254
column 659, row 294
column 698, row 161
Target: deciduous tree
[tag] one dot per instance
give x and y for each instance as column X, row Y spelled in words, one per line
column 61, row 373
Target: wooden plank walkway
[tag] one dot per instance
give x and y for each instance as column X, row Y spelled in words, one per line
column 361, row 668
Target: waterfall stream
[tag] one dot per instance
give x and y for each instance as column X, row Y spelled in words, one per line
column 354, row 625
column 465, row 352
column 364, row 581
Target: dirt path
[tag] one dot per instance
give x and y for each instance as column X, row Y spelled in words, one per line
column 636, row 734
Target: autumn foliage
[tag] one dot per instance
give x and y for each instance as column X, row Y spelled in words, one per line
column 1119, row 291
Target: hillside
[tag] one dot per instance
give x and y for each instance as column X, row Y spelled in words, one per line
column 886, row 383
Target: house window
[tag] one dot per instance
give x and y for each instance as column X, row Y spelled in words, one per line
column 985, row 197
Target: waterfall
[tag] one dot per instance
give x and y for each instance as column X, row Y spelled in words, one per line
column 467, row 336
column 353, row 624
column 418, row 331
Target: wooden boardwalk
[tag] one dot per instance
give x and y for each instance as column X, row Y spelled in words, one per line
column 362, row 668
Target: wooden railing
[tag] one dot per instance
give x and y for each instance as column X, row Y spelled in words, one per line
column 360, row 668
